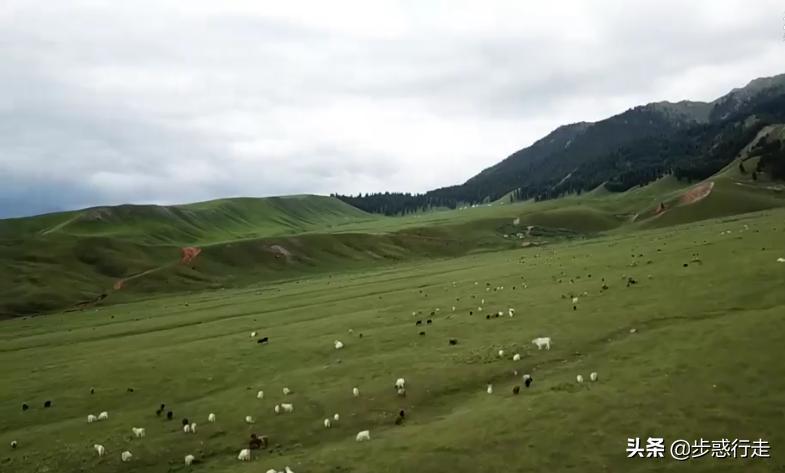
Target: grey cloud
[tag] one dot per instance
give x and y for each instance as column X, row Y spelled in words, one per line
column 169, row 102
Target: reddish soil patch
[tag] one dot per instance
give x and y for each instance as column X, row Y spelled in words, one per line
column 118, row 284
column 697, row 193
column 189, row 253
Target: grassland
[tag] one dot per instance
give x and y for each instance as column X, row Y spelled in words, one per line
column 704, row 362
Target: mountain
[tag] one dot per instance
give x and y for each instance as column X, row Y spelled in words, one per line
column 691, row 140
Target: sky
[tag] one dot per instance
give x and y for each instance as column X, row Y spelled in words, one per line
column 166, row 102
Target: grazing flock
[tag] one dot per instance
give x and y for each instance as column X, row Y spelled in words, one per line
column 260, row 442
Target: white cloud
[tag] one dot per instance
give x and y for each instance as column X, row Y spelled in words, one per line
column 106, row 102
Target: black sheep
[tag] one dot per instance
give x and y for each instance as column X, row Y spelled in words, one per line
column 516, row 389
column 169, row 415
column 25, row 406
column 48, row 404
column 528, row 382
column 185, row 422
column 453, row 341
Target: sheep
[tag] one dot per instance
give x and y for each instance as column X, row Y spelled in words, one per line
column 400, row 383
column 126, row 456
column 138, row 432
column 501, row 353
column 511, row 312
column 401, row 392
column 516, row 357
column 103, row 415
column 277, row 408
column 356, row 392
column 336, row 417
column 189, row 459
column 260, row 395
column 422, row 333
column 338, row 344
column 419, row 322
column 489, row 389
column 288, row 470
column 25, row 406
column 453, row 341
column 499, row 314
column 245, row 455
column 542, row 342
column 193, row 428
column 327, row 423
column 286, row 391
column 187, row 428
column 91, row 418
column 780, row 260
column 363, row 436
column 253, row 334
column 14, row 444
column 263, row 340
column 47, row 403
column 169, row 415
column 574, row 300
column 579, row 378
column 287, row 408
column 99, row 449
column 527, row 380
column 186, row 421
column 593, row 376
column 249, row 419
column 428, row 322
column 211, row 418
column 516, row 389
column 257, row 442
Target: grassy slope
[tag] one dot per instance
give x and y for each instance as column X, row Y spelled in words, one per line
column 59, row 260
column 705, row 362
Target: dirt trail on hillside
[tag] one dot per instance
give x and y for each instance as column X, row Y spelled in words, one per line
column 697, row 193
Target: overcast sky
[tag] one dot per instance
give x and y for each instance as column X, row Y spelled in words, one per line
column 178, row 101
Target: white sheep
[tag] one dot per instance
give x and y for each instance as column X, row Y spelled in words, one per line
column 99, row 449
column 193, row 428
column 277, row 408
column 138, row 432
column 363, row 436
column 489, row 389
column 482, row 302
column 245, row 455
column 511, row 312
column 103, row 415
column 286, row 391
column 211, row 418
column 400, row 383
column 526, row 377
column 356, row 392
column 271, row 470
column 126, row 456
column 189, row 459
column 14, row 443
column 287, row 408
column 579, row 378
column 516, row 357
column 336, row 417
column 260, row 395
column 249, row 420
column 338, row 344
column 780, row 260
column 327, row 423
column 91, row 418
column 574, row 300
column 288, row 470
column 501, row 353
column 253, row 334
column 500, row 313
column 593, row 376
column 187, row 428
column 542, row 342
